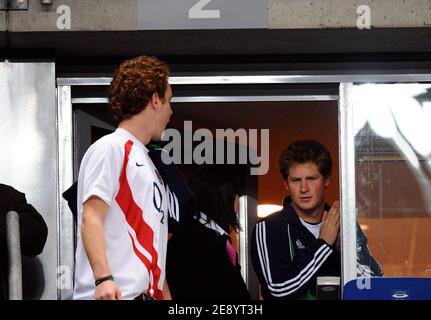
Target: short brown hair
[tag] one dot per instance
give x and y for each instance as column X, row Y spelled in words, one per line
column 133, row 85
column 304, row 151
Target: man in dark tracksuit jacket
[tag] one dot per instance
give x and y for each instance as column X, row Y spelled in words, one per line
column 287, row 257
column 292, row 247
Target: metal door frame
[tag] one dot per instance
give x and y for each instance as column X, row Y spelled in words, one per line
column 346, row 139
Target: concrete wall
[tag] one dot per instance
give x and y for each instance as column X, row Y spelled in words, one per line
column 300, row 14
column 86, row 15
column 104, row 15
column 2, row 21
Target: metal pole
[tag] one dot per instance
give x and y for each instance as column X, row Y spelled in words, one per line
column 347, row 184
column 14, row 252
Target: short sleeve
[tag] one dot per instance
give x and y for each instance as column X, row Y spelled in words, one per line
column 101, row 173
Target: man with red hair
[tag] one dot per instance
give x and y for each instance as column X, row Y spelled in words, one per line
column 122, row 198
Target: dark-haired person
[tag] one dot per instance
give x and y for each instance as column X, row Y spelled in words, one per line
column 202, row 264
column 292, row 247
column 33, row 230
column 122, row 199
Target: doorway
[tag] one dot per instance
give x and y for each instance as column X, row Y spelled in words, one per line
column 281, row 108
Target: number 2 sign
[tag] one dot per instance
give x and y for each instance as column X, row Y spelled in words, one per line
column 197, row 12
column 201, row 14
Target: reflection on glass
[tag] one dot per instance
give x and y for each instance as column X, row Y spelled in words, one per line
column 264, row 210
column 393, row 174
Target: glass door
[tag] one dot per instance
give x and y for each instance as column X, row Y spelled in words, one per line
column 386, row 150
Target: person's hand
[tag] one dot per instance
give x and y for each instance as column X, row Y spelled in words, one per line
column 329, row 230
column 166, row 292
column 108, row 290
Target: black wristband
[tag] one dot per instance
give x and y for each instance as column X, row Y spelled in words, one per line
column 99, row 281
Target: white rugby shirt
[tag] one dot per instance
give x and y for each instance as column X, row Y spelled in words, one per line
column 117, row 169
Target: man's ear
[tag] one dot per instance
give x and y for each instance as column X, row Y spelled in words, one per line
column 286, row 185
column 327, row 181
column 155, row 100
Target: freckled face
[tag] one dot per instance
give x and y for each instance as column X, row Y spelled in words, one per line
column 306, row 186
